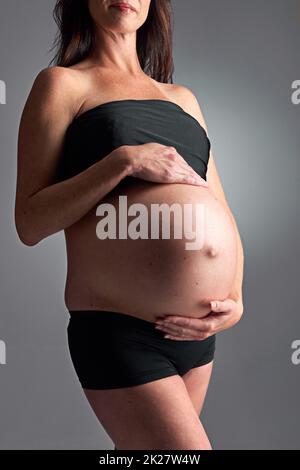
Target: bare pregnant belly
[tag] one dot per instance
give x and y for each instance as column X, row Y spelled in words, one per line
column 176, row 272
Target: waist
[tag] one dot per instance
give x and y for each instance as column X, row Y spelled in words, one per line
column 109, row 317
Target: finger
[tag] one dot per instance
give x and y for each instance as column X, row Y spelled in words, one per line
column 191, row 172
column 178, row 338
column 188, row 175
column 185, row 338
column 187, row 166
column 207, row 324
column 176, row 319
column 192, row 179
column 221, row 305
column 186, row 322
column 179, row 162
column 176, row 172
column 177, row 330
column 187, row 180
column 191, row 334
column 197, row 178
column 202, row 182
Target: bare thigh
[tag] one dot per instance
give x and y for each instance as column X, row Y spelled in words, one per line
column 196, row 381
column 155, row 415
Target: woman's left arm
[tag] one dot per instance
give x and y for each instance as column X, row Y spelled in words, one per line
column 224, row 313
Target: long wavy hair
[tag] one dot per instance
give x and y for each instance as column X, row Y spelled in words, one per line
column 75, row 38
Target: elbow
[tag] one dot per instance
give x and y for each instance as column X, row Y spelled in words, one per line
column 27, row 239
column 26, row 225
column 26, row 236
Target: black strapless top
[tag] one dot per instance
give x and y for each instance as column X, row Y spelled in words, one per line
column 98, row 131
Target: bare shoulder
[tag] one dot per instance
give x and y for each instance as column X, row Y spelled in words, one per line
column 55, row 79
column 55, row 89
column 186, row 98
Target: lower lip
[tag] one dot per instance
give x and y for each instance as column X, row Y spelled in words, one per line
column 123, row 8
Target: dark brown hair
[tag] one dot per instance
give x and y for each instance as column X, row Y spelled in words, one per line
column 76, row 37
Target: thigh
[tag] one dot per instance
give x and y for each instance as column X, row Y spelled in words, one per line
column 196, row 381
column 155, row 415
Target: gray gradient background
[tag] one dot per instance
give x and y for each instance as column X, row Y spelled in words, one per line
column 240, row 59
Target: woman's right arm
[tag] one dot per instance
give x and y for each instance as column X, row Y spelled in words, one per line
column 43, row 207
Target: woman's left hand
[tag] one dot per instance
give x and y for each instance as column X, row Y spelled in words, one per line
column 224, row 314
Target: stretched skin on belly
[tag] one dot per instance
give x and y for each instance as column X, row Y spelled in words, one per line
column 150, row 277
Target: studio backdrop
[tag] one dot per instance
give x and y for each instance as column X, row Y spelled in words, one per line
column 241, row 59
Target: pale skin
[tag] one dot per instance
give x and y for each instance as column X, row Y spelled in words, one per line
column 170, row 406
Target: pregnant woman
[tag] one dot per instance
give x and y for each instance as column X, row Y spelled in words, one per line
column 115, row 154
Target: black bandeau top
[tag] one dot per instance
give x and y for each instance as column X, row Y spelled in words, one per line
column 98, row 131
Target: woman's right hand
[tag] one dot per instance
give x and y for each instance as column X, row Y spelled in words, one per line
column 161, row 164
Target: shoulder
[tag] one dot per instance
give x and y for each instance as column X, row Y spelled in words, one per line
column 55, row 79
column 186, row 98
column 56, row 87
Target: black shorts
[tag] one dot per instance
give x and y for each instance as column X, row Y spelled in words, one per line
column 114, row 350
